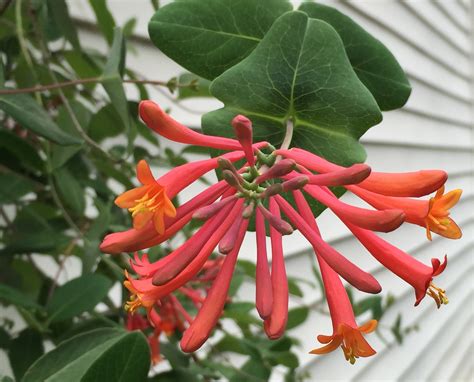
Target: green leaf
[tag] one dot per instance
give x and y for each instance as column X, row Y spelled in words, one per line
column 23, row 109
column 82, row 64
column 99, row 355
column 14, row 187
column 208, row 37
column 129, row 360
column 373, row 63
column 60, row 15
column 70, row 190
column 15, row 297
column 174, row 356
column 176, row 375
column 112, row 82
column 24, row 350
column 199, row 87
column 285, row 358
column 294, row 288
column 104, row 18
column 374, row 304
column 299, row 71
column 32, row 233
column 77, row 296
column 16, row 152
column 254, row 370
column 297, row 316
column 105, row 123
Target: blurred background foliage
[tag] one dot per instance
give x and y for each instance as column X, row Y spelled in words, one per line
column 69, row 139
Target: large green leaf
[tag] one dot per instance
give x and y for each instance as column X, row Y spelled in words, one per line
column 77, row 296
column 299, row 71
column 99, row 355
column 208, row 37
column 23, row 109
column 373, row 63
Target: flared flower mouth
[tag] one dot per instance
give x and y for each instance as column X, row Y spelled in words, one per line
column 350, row 339
column 136, row 299
column 438, row 220
column 430, row 289
column 148, row 202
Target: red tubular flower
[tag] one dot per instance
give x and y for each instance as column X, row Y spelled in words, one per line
column 433, row 214
column 351, row 175
column 275, row 324
column 392, row 191
column 167, row 315
column 346, row 333
column 347, row 270
column 159, row 121
column 228, row 206
column 386, row 221
column 412, row 271
column 211, row 310
column 263, row 282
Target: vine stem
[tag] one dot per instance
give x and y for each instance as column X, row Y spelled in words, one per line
column 288, row 135
column 59, row 85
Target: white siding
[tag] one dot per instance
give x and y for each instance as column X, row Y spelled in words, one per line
column 433, row 42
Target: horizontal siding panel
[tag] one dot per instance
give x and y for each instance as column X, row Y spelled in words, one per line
column 456, row 15
column 410, row 58
column 438, row 20
column 401, row 127
column 397, row 18
column 434, row 351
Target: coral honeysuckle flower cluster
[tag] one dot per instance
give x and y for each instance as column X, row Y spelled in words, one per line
column 258, row 191
column 167, row 314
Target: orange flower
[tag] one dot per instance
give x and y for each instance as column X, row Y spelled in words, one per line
column 432, row 214
column 147, row 202
column 437, row 219
column 350, row 339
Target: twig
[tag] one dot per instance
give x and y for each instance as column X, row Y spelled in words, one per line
column 80, row 81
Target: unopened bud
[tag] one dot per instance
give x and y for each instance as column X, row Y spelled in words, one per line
column 232, row 179
column 243, row 131
column 295, row 184
column 276, row 222
column 274, row 189
column 207, row 211
column 281, row 168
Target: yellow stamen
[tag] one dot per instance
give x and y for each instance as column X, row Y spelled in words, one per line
column 438, row 295
column 133, row 304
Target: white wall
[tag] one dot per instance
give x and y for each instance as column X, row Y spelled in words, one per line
column 433, row 42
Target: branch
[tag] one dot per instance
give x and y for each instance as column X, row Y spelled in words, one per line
column 59, row 85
